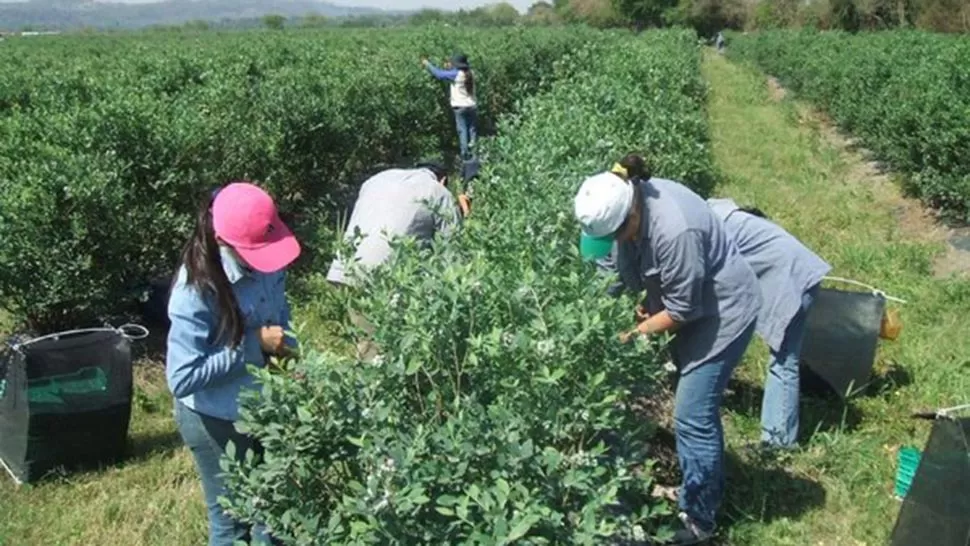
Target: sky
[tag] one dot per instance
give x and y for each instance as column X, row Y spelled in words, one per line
column 522, row 5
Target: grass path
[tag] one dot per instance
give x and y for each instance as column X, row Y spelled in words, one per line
column 777, row 154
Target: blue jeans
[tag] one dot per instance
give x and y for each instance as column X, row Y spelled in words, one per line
column 779, row 407
column 700, row 435
column 206, row 438
column 466, row 120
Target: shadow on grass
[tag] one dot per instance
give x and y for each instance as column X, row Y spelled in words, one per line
column 763, row 491
column 146, row 446
column 820, row 411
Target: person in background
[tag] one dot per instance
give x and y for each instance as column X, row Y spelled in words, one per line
column 228, row 310
column 698, row 286
column 394, row 203
column 719, row 42
column 789, row 274
column 462, row 98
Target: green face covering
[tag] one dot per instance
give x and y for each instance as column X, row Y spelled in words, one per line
column 595, row 248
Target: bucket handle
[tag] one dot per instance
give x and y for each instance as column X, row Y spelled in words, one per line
column 131, row 332
column 873, row 289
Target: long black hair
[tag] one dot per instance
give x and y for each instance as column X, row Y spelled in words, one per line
column 469, row 81
column 204, row 271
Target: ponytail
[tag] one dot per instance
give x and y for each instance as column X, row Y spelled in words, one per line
column 203, row 265
column 632, row 168
column 469, row 82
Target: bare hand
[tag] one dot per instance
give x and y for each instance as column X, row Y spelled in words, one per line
column 271, row 339
column 627, row 337
column 425, row 62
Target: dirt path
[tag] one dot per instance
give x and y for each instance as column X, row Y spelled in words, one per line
column 780, row 155
column 916, row 222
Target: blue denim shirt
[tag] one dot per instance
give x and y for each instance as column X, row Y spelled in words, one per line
column 207, row 376
column 786, row 268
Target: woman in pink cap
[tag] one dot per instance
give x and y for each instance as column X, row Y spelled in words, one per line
column 228, row 310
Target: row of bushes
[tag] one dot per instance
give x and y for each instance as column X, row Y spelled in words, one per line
column 108, row 143
column 906, row 94
column 500, row 410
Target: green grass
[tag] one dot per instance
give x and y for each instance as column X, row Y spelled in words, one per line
column 837, row 490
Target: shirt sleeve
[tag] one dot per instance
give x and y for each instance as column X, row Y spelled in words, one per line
column 285, row 315
column 443, row 74
column 448, row 218
column 683, row 270
column 191, row 362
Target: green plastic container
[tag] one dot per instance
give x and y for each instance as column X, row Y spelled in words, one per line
column 48, row 390
column 907, row 463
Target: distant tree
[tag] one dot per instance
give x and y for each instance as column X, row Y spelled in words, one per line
column 644, row 12
column 597, row 13
column 313, row 20
column 197, row 25
column 502, row 13
column 274, row 22
column 541, row 13
column 426, row 16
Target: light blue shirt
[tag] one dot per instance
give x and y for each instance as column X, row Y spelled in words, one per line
column 208, row 376
column 684, row 260
column 786, row 268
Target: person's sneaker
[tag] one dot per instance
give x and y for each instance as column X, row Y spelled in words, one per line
column 690, row 534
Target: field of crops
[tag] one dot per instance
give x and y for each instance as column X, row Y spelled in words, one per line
column 501, row 408
column 905, row 94
column 109, row 142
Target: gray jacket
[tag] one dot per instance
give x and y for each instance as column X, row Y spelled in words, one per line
column 395, row 203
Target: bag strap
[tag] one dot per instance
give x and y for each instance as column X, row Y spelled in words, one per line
column 875, row 291
column 131, row 332
column 946, row 412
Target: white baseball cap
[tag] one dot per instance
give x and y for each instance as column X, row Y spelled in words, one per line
column 601, row 206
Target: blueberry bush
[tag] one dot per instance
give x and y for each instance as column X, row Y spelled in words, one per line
column 107, row 143
column 906, row 94
column 501, row 408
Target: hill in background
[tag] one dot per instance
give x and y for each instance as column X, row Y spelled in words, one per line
column 68, row 14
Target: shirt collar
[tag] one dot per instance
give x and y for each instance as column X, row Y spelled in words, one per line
column 234, row 270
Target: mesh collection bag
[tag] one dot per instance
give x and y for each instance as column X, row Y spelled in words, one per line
column 66, row 401
column 936, row 509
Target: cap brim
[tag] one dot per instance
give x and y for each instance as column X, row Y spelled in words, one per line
column 274, row 256
column 595, row 248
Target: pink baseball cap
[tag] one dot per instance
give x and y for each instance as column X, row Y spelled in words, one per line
column 245, row 217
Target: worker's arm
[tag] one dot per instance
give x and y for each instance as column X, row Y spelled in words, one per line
column 442, row 73
column 683, row 269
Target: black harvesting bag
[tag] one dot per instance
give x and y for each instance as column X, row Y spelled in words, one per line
column 65, row 401
column 936, row 509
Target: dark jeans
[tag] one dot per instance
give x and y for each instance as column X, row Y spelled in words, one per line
column 206, row 438
column 466, row 120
